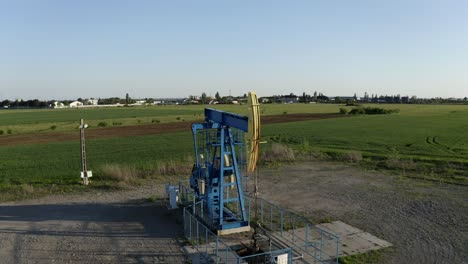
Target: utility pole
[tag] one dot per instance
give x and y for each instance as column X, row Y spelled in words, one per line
column 85, row 174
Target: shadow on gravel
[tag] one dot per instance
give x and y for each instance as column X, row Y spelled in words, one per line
column 131, row 232
column 157, row 220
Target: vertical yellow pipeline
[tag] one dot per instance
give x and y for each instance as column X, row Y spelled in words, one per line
column 254, row 131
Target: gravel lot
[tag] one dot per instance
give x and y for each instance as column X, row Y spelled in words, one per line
column 426, row 221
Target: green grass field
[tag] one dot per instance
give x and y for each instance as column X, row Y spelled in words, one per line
column 437, row 135
column 424, row 133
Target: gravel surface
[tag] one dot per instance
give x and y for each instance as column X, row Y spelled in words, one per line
column 427, row 222
column 113, row 227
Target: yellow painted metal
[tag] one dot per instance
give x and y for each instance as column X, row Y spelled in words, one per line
column 254, row 131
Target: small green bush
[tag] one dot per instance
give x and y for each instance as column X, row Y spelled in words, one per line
column 116, row 123
column 372, row 111
column 155, row 121
column 9, row 132
column 343, row 111
column 53, row 127
column 102, row 124
column 1, row 132
column 357, row 111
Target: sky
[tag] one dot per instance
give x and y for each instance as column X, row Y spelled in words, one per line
column 51, row 49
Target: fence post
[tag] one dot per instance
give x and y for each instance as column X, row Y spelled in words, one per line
column 185, row 223
column 198, row 236
column 271, row 217
column 193, row 205
column 190, row 229
column 250, row 210
column 281, row 221
column 337, row 249
column 261, row 210
column 321, row 243
column 217, row 258
column 292, row 228
column 201, row 209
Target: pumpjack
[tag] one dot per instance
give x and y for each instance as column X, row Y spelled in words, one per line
column 220, row 159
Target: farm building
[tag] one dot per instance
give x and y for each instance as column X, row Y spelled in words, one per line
column 58, row 105
column 76, row 104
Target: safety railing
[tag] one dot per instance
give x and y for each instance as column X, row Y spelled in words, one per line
column 305, row 238
column 288, row 230
column 210, row 248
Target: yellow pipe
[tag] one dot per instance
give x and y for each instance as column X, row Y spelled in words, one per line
column 254, row 131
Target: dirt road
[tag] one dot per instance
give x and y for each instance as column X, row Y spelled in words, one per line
column 427, row 222
column 117, row 227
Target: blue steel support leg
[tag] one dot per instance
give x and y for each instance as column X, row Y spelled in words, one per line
column 238, row 177
column 221, row 178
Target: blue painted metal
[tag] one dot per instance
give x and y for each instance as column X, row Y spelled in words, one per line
column 216, row 149
column 227, row 119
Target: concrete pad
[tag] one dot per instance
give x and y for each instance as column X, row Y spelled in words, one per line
column 340, row 228
column 353, row 240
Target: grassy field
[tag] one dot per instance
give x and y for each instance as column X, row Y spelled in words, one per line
column 423, row 134
column 440, row 134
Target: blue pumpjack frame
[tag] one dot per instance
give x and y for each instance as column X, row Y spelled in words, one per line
column 217, row 140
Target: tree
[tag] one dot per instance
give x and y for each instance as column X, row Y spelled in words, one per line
column 366, row 97
column 339, row 100
column 203, row 98
column 315, row 96
column 217, row 96
column 127, row 99
column 355, row 97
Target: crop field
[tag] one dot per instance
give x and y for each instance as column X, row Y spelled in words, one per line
column 438, row 134
column 26, row 121
column 423, row 134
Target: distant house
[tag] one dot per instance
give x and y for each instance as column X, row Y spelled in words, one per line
column 76, row 104
column 91, row 101
column 289, row 100
column 349, row 98
column 58, row 105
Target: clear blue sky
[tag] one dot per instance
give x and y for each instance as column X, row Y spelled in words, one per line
column 90, row 48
